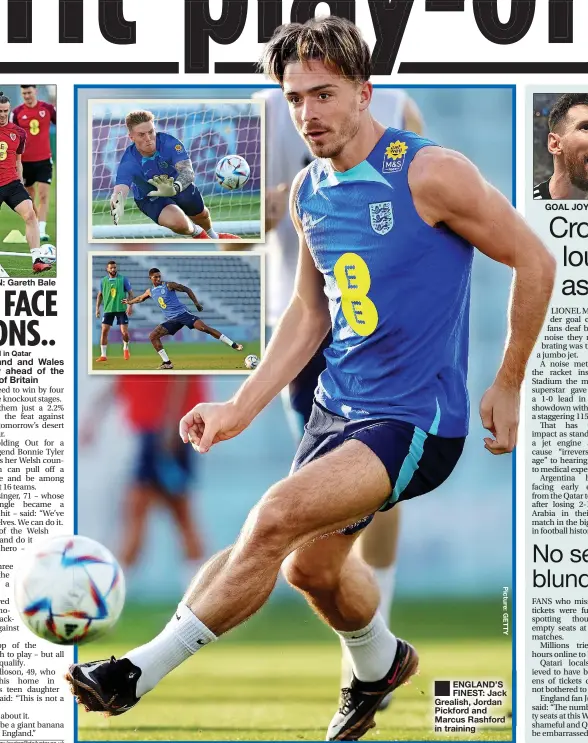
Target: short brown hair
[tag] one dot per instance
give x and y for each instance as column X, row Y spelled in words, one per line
column 335, row 41
column 138, row 117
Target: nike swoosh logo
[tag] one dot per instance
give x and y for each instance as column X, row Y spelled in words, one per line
column 178, row 617
column 200, row 642
column 312, row 222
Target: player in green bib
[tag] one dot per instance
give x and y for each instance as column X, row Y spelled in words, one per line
column 113, row 289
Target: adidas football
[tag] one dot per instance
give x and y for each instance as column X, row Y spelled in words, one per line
column 251, row 361
column 69, row 590
column 232, row 172
column 46, row 253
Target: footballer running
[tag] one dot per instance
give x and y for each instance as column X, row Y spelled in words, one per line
column 387, row 221
column 12, row 191
column 36, row 117
column 158, row 170
column 175, row 313
column 114, row 288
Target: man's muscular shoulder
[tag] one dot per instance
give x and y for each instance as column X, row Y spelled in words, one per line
column 437, row 177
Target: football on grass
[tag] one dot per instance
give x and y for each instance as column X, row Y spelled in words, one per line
column 69, row 590
column 45, row 253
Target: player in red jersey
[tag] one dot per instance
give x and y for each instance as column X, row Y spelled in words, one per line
column 12, row 191
column 36, row 117
column 163, row 471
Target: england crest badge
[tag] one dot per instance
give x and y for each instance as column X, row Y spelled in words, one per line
column 382, row 217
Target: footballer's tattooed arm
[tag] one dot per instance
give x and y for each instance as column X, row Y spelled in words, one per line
column 185, row 176
column 181, row 288
column 141, row 298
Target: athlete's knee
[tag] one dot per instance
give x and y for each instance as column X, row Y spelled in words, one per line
column 204, row 214
column 180, row 226
column 269, row 525
column 154, row 335
column 174, row 219
column 303, row 573
column 28, row 213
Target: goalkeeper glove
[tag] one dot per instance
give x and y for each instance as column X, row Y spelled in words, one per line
column 165, row 186
column 117, row 207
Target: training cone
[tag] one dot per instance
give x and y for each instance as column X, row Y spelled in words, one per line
column 14, row 236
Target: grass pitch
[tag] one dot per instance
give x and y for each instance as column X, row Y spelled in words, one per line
column 277, row 677
column 223, row 208
column 208, row 356
column 19, row 264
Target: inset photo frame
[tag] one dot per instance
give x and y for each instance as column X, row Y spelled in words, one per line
column 185, row 313
column 175, row 169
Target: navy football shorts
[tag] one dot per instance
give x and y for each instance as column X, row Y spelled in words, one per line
column 416, row 462
column 169, row 471
column 185, row 320
column 121, row 318
column 190, row 202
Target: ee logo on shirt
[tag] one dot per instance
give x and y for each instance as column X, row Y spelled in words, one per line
column 353, row 279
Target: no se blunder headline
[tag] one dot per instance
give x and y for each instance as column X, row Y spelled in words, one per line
column 546, row 577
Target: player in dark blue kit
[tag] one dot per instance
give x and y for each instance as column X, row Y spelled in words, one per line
column 386, row 222
column 176, row 315
column 158, row 170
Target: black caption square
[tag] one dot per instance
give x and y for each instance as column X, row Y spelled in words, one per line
column 442, row 688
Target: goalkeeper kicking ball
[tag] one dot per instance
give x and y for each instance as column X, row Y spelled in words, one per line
column 251, row 361
column 69, row 590
column 232, row 172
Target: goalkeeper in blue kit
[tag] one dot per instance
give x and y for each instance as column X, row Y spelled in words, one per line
column 158, row 171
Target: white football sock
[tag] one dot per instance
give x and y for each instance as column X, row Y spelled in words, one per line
column 125, row 345
column 372, row 649
column 197, row 230
column 212, row 234
column 386, row 580
column 103, row 350
column 226, row 339
column 182, row 636
column 163, row 355
column 42, row 227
